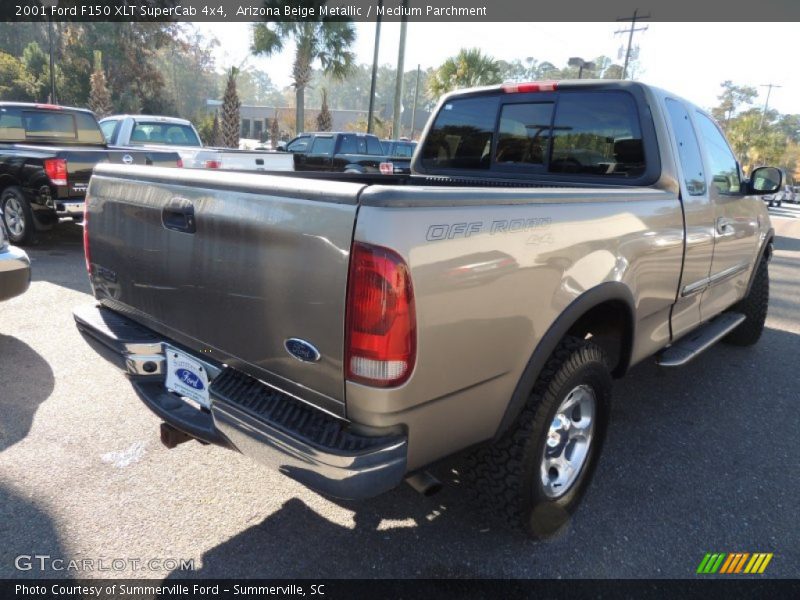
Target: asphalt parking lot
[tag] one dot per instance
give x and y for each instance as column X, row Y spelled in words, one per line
column 702, row 459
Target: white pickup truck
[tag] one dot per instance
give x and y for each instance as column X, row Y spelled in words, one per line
column 156, row 132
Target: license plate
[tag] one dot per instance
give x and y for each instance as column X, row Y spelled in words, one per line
column 187, row 377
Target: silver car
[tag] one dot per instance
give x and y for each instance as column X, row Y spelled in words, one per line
column 15, row 268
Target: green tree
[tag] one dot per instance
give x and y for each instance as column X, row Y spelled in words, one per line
column 328, row 42
column 231, row 124
column 99, row 96
column 37, row 65
column 469, row 68
column 15, row 83
column 731, row 100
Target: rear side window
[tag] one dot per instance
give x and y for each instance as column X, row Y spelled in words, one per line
column 374, row 146
column 688, row 149
column 108, row 127
column 597, row 133
column 298, row 145
column 322, row 145
column 352, row 144
column 461, row 136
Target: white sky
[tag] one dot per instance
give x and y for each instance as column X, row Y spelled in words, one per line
column 689, row 59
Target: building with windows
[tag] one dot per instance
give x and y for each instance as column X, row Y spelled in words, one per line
column 256, row 121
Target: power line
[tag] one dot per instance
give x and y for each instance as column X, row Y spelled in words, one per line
column 633, row 29
column 769, row 87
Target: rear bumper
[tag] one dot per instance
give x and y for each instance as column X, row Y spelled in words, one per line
column 15, row 272
column 247, row 415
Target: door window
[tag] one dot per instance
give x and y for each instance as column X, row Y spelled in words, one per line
column 721, row 161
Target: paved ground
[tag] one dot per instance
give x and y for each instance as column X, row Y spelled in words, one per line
column 698, row 460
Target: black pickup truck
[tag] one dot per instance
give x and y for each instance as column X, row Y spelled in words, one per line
column 345, row 152
column 47, row 154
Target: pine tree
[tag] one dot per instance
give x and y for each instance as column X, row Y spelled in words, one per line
column 230, row 113
column 275, row 132
column 215, row 132
column 324, row 118
column 99, row 96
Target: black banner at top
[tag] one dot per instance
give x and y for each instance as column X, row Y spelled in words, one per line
column 395, row 10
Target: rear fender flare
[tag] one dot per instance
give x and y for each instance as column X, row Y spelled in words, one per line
column 605, row 292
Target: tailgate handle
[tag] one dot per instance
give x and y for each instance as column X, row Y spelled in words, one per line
column 178, row 215
column 260, row 161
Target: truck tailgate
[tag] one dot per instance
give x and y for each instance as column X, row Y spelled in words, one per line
column 231, row 265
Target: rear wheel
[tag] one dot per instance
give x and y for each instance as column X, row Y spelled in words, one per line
column 754, row 307
column 17, row 216
column 535, row 476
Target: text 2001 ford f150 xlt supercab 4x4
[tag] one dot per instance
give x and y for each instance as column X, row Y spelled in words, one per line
column 353, row 331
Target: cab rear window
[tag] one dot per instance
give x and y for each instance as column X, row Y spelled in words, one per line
column 19, row 125
column 593, row 133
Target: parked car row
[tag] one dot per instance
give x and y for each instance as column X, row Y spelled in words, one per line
column 47, row 154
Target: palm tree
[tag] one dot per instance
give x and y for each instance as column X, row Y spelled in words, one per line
column 469, row 68
column 326, row 41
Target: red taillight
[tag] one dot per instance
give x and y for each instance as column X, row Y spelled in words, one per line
column 381, row 342
column 56, row 169
column 387, row 168
column 87, row 254
column 180, row 163
column 532, row 86
column 49, row 106
column 213, row 164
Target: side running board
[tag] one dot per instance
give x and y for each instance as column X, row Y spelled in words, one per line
column 689, row 346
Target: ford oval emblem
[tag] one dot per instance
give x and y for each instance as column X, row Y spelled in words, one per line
column 127, row 159
column 189, row 379
column 301, row 350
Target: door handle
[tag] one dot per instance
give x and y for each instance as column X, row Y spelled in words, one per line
column 725, row 226
column 178, row 215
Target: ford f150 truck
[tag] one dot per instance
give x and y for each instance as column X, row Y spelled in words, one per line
column 47, row 153
column 353, row 332
column 179, row 135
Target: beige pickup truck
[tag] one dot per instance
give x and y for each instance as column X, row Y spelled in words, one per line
column 351, row 330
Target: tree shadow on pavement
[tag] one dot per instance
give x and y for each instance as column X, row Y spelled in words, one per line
column 27, row 531
column 786, row 243
column 26, row 380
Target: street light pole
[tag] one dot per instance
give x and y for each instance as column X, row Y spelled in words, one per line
column 398, row 86
column 49, row 4
column 370, row 113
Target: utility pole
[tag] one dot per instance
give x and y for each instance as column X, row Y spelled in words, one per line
column 398, row 86
column 630, row 33
column 370, row 114
column 414, row 110
column 769, row 87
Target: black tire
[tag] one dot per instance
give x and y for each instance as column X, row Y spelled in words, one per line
column 754, row 307
column 18, row 222
column 506, row 476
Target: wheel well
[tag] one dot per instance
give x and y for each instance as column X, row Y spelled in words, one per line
column 610, row 326
column 7, row 181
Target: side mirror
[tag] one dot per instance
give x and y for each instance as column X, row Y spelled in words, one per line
column 765, row 180
column 281, row 147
